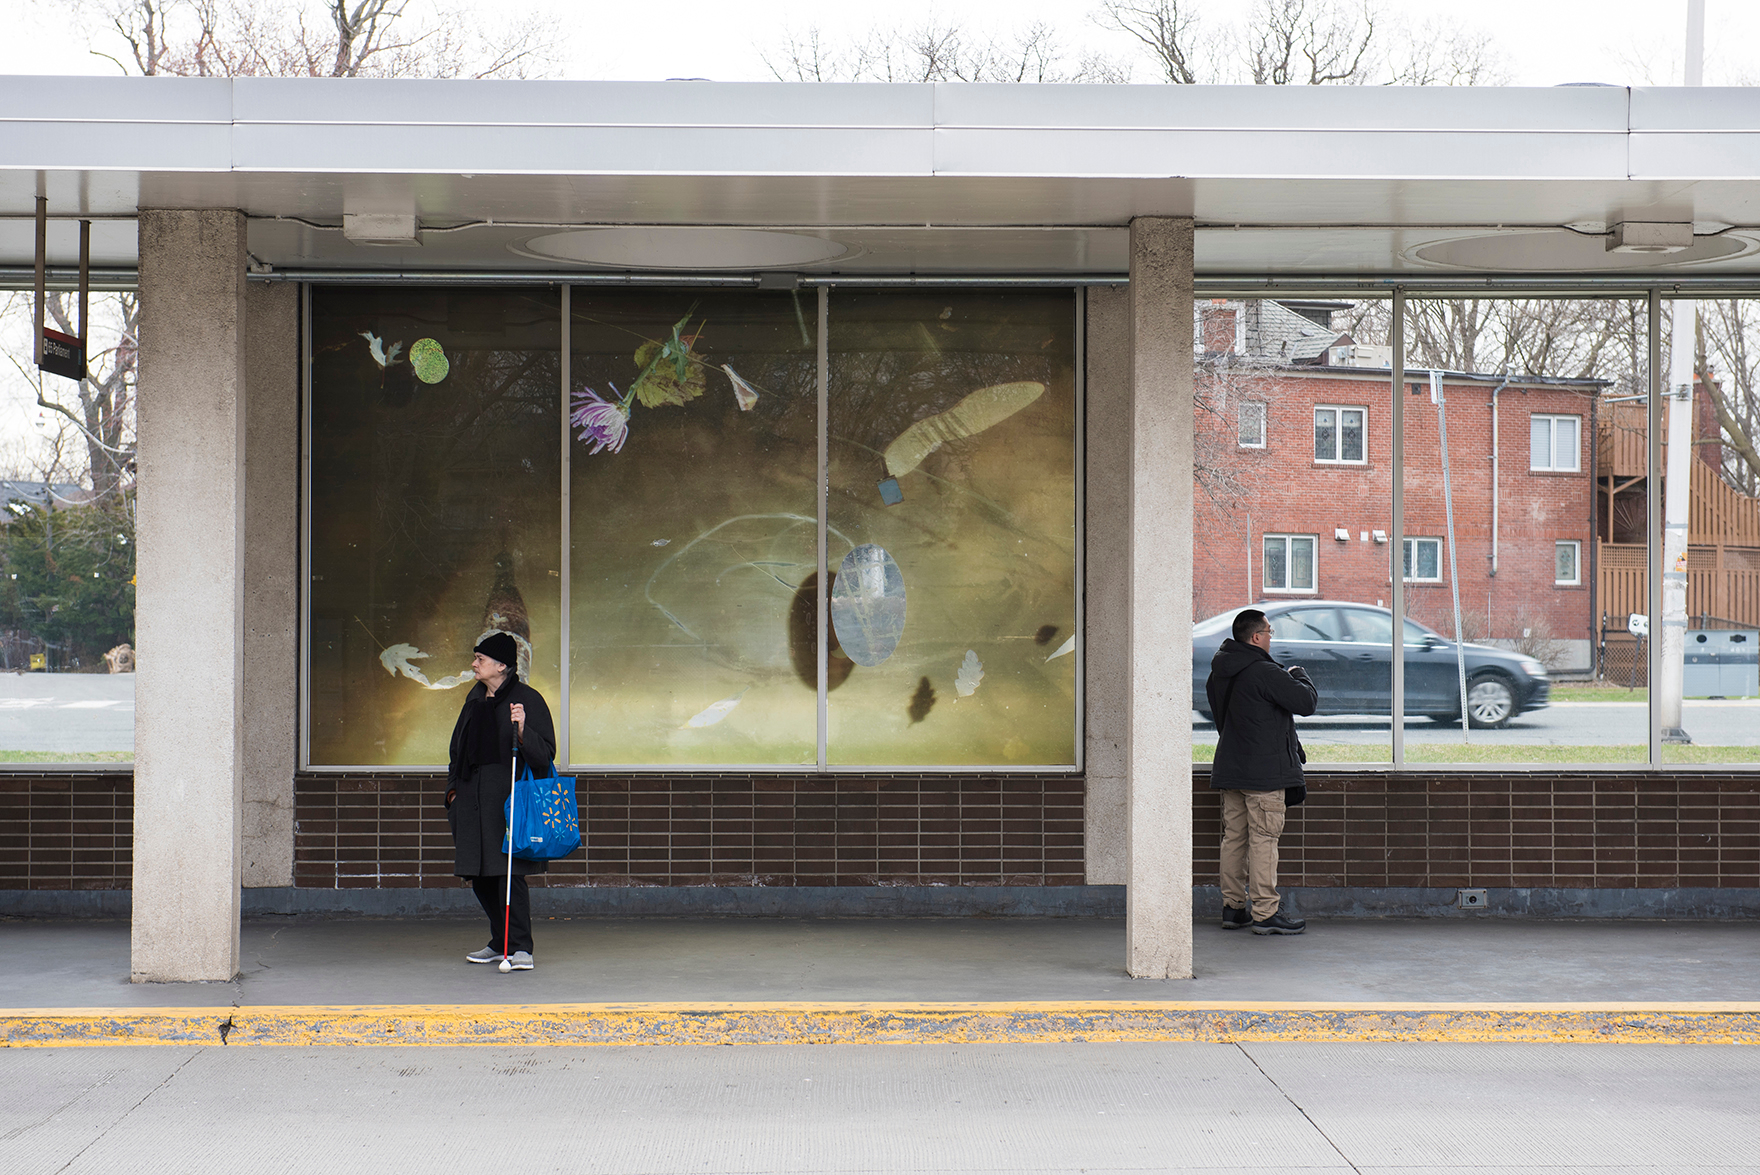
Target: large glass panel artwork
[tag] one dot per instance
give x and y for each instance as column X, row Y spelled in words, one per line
column 693, row 599
column 435, row 496
column 952, row 434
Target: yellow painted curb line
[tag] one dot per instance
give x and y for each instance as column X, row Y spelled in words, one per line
column 882, row 1023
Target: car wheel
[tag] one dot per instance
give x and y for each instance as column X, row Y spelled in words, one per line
column 1491, row 701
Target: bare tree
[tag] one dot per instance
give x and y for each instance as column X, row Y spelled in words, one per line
column 935, row 52
column 1310, row 42
column 1304, row 42
column 362, row 38
column 1727, row 361
column 1185, row 53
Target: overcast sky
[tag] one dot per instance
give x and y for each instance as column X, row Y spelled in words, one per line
column 1543, row 42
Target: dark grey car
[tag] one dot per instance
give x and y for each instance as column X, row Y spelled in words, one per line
column 1347, row 649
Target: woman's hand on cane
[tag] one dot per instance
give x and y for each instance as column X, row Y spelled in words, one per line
column 518, row 713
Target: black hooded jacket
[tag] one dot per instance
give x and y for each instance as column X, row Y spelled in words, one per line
column 1258, row 750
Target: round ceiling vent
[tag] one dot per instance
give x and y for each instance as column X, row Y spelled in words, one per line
column 1566, row 251
column 682, row 248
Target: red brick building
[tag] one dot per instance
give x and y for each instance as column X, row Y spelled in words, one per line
column 1296, row 483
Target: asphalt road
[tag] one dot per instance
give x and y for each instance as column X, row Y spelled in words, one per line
column 1387, row 1108
column 1724, row 724
column 66, row 712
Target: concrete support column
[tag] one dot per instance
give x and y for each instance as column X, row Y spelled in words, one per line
column 271, row 575
column 189, row 606
column 1107, row 597
column 1158, row 895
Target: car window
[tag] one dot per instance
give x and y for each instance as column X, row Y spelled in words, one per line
column 1305, row 624
column 1366, row 627
column 1375, row 628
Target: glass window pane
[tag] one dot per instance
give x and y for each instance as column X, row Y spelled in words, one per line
column 1566, row 559
column 1252, row 423
column 952, row 449
column 1429, row 559
column 1301, row 563
column 1276, row 563
column 435, row 508
column 1351, row 435
column 693, row 613
column 1305, row 624
column 1565, row 442
column 1540, row 443
column 1325, row 434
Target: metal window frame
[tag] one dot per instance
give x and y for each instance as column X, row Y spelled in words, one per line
column 820, row 766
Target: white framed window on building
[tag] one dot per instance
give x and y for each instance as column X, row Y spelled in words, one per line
column 1339, row 434
column 1423, row 561
column 1555, row 443
column 1567, row 563
column 1251, row 415
column 1289, row 562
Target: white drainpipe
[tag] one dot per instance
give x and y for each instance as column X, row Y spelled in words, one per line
column 1494, row 392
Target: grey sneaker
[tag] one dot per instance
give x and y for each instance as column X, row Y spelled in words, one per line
column 485, row 955
column 520, row 960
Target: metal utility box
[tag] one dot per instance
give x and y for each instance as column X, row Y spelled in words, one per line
column 1721, row 663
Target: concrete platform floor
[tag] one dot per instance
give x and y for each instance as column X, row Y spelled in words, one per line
column 307, row 961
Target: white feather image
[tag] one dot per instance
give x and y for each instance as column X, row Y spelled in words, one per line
column 971, row 672
column 717, row 712
column 1065, row 649
column 376, row 345
column 402, row 659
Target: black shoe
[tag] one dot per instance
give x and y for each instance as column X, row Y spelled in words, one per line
column 1233, row 919
column 1279, row 923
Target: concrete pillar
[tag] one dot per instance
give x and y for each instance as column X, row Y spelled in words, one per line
column 189, row 606
column 271, row 574
column 1158, row 895
column 1107, row 598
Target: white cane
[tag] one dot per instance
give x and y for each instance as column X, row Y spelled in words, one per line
column 507, row 902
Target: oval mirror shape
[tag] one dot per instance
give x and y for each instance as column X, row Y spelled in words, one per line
column 867, row 605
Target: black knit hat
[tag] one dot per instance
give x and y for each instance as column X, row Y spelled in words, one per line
column 498, row 646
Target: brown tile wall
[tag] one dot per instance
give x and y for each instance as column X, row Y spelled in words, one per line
column 1639, row 830
column 1626, row 831
column 390, row 830
column 67, row 831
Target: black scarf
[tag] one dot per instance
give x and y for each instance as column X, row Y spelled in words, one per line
column 482, row 730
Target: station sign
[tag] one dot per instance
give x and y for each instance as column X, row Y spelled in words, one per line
column 63, row 355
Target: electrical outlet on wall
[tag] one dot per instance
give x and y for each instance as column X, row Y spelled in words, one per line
column 1471, row 899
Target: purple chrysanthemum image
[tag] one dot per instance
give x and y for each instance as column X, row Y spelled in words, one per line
column 603, row 423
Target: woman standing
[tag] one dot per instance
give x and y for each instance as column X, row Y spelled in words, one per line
column 478, row 783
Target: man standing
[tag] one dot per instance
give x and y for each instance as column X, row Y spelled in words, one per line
column 1255, row 701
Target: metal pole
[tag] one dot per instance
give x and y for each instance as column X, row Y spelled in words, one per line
column 85, row 285
column 1454, row 579
column 567, row 524
column 1396, row 570
column 42, row 265
column 822, row 491
column 1653, row 520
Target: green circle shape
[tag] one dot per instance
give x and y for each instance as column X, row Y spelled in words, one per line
column 429, row 361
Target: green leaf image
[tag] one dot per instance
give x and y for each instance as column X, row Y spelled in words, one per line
column 672, row 373
column 429, row 361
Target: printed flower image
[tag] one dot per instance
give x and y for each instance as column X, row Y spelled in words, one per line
column 603, row 423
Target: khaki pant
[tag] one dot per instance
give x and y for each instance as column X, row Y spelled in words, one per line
column 1251, row 823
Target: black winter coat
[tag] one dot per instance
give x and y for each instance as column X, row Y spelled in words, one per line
column 1258, row 750
column 477, row 809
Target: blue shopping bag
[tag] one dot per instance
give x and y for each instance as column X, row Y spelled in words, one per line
column 542, row 818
